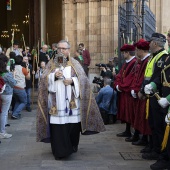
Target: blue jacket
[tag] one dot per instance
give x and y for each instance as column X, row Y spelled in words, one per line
column 10, row 83
column 104, row 97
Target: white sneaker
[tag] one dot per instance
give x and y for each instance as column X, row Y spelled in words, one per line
column 5, row 135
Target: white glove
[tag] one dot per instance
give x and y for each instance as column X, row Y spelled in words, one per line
column 148, row 89
column 133, row 94
column 167, row 118
column 117, row 87
column 163, row 102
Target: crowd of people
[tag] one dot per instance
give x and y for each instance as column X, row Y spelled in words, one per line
column 137, row 94
column 143, row 98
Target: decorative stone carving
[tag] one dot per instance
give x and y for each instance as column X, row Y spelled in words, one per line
column 67, row 1
column 80, row 1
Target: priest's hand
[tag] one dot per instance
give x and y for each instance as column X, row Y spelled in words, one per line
column 167, row 118
column 163, row 102
column 59, row 74
column 67, row 81
column 133, row 94
column 148, row 89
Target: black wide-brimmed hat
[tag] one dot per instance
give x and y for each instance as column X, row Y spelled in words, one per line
column 16, row 42
column 158, row 37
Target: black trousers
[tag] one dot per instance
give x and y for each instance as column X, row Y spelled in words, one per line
column 157, row 124
column 63, row 138
column 86, row 69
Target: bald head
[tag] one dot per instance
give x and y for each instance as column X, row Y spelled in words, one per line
column 44, row 48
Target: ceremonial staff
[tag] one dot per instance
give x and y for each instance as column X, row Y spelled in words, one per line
column 34, row 53
column 12, row 41
column 47, row 39
column 38, row 53
column 24, row 43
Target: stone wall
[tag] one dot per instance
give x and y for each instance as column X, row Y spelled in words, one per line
column 93, row 22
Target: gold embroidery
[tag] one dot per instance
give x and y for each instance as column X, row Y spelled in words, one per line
column 73, row 104
column 53, row 111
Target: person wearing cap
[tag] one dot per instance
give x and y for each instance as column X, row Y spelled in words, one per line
column 162, row 85
column 139, row 121
column 14, row 49
column 122, row 84
column 151, row 77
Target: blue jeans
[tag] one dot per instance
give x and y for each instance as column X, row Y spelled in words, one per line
column 28, row 92
column 6, row 102
column 20, row 101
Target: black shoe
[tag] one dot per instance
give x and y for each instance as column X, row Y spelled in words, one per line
column 124, row 134
column 132, row 139
column 140, row 143
column 75, row 148
column 7, row 125
column 14, row 117
column 159, row 165
column 28, row 109
column 150, row 156
column 58, row 158
column 147, row 149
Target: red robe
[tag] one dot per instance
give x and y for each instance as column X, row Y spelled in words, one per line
column 124, row 79
column 138, row 116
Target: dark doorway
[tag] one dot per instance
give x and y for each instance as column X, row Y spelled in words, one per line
column 54, row 21
column 17, row 18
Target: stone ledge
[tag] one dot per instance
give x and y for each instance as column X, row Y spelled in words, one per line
column 81, row 1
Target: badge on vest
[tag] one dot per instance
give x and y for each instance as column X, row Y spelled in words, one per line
column 160, row 63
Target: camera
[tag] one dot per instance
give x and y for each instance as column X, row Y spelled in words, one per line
column 101, row 65
column 99, row 81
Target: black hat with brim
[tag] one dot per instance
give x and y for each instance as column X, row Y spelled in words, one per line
column 16, row 42
column 158, row 37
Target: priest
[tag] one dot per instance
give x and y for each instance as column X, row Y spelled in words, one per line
column 66, row 105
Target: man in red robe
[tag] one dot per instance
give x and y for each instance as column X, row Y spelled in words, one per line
column 139, row 121
column 122, row 83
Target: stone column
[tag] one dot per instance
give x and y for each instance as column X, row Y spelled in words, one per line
column 69, row 27
column 80, row 22
column 43, row 20
column 114, row 27
column 92, row 31
column 105, row 30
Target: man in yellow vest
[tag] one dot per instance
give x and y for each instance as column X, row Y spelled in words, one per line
column 163, row 84
column 152, row 74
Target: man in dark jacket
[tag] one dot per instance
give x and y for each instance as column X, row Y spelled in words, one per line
column 152, row 76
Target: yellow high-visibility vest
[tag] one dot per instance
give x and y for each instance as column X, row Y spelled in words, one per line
column 151, row 65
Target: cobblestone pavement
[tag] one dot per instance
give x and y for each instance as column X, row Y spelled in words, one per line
column 96, row 152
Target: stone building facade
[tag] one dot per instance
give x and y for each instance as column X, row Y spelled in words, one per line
column 93, row 22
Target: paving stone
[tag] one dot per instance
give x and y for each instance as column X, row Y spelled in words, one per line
column 96, row 152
